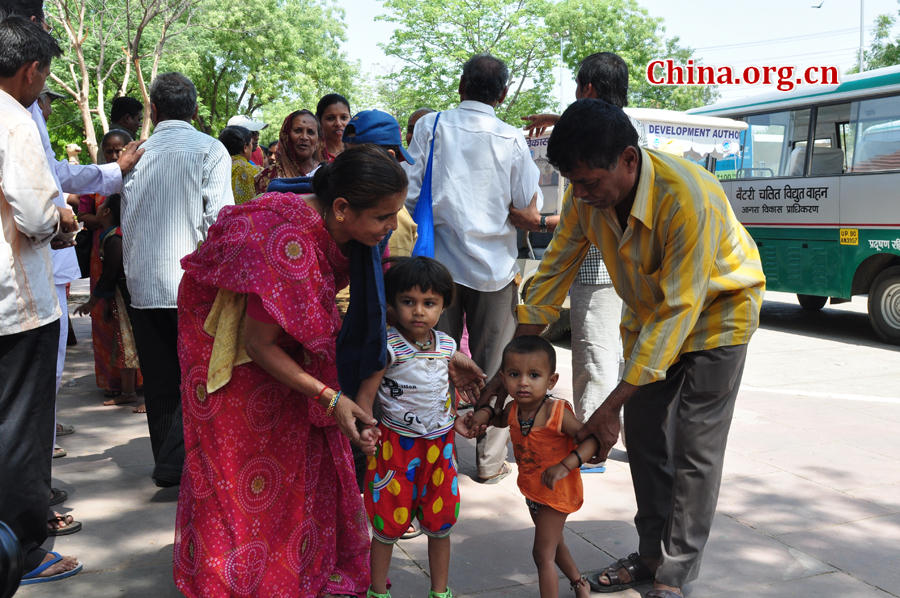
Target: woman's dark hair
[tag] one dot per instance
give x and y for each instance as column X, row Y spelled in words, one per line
column 485, row 77
column 424, row 272
column 363, row 175
column 530, row 345
column 123, row 136
column 24, row 42
column 608, row 74
column 591, row 133
column 235, row 139
column 114, row 203
column 328, row 100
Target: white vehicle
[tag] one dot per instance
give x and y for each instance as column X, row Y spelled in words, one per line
column 827, row 221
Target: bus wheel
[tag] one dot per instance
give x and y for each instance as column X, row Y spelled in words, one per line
column 812, row 302
column 884, row 305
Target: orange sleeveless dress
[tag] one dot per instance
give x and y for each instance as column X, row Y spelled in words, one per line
column 541, row 448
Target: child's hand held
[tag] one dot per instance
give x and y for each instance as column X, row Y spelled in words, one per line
column 553, row 474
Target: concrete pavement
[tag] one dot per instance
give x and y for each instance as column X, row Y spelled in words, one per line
column 809, row 506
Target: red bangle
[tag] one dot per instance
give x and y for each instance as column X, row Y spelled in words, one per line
column 321, row 392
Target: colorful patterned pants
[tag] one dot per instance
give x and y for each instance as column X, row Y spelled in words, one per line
column 412, row 476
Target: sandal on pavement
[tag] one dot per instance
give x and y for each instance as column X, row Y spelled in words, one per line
column 33, row 577
column 71, row 527
column 662, row 594
column 64, row 429
column 411, row 532
column 636, row 568
column 57, row 496
column 59, row 451
column 505, row 470
column 371, row 594
column 447, row 594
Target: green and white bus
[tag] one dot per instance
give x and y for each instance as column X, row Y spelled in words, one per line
column 827, row 221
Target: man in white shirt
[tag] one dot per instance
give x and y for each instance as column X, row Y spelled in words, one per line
column 29, row 308
column 481, row 167
column 169, row 201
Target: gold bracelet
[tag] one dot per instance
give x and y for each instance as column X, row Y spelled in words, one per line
column 330, row 411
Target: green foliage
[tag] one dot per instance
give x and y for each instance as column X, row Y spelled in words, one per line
column 263, row 58
column 883, row 51
column 434, row 38
column 627, row 29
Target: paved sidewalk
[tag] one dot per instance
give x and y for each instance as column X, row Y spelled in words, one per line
column 810, row 503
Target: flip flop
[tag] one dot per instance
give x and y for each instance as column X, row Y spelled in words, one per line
column 57, row 496
column 59, row 451
column 588, row 468
column 72, row 527
column 64, row 429
column 32, row 578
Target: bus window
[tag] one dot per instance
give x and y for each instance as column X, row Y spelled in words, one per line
column 877, row 135
column 828, row 155
column 771, row 147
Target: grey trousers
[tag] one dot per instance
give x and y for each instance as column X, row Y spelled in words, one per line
column 677, row 429
column 491, row 321
column 596, row 312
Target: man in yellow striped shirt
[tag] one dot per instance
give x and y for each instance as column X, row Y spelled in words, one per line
column 692, row 283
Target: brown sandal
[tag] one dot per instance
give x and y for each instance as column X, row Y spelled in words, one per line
column 636, row 567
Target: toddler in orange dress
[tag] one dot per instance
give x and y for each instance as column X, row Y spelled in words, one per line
column 542, row 430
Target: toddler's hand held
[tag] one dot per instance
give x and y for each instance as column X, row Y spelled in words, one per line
column 553, row 474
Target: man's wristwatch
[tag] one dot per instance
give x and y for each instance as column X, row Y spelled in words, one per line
column 543, row 226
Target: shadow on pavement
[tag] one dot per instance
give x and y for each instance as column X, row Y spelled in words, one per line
column 828, row 323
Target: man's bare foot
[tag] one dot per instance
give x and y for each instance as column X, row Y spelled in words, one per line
column 66, row 564
column 60, row 521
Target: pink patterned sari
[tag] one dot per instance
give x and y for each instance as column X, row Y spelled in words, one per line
column 269, row 504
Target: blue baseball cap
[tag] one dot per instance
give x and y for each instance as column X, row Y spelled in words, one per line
column 377, row 127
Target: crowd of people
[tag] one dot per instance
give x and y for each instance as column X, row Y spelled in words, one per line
column 305, row 322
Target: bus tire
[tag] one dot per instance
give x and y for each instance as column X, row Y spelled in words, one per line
column 812, row 302
column 884, row 305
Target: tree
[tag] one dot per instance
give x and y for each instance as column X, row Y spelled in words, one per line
column 627, row 29
column 264, row 54
column 96, row 32
column 435, row 38
column 882, row 52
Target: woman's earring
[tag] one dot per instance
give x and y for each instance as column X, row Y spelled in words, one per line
column 339, row 217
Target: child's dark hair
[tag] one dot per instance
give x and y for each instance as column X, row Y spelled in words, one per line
column 424, row 272
column 528, row 345
column 114, row 203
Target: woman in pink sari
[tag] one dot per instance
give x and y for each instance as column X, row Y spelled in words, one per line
column 269, row 504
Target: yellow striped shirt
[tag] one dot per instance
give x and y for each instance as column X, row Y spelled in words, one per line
column 687, row 270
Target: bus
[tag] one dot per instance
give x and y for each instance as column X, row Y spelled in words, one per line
column 816, row 182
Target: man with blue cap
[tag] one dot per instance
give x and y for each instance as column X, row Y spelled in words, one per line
column 381, row 129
